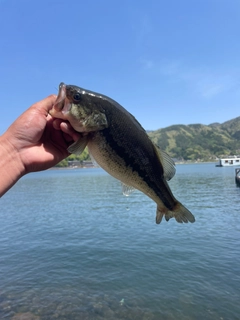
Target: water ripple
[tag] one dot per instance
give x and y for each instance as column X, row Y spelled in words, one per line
column 72, row 247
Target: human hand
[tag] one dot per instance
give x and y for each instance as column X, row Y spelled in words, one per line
column 39, row 140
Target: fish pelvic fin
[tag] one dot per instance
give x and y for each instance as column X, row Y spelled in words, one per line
column 126, row 189
column 179, row 212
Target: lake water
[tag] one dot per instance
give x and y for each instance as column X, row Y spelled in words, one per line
column 73, row 247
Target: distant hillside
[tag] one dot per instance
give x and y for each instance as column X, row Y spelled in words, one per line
column 192, row 142
column 197, row 141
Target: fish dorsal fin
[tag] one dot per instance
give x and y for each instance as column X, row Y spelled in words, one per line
column 78, row 146
column 168, row 164
column 127, row 190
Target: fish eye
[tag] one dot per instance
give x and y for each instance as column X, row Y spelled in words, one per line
column 77, row 96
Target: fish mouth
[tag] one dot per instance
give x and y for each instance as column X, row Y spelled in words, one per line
column 60, row 101
column 62, row 104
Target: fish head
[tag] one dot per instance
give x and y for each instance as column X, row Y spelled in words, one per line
column 82, row 108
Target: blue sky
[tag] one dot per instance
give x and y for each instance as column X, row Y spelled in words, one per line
column 167, row 62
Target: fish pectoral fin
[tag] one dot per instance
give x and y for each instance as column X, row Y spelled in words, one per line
column 126, row 189
column 179, row 212
column 78, row 146
column 167, row 163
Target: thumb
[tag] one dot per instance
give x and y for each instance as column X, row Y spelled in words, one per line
column 45, row 105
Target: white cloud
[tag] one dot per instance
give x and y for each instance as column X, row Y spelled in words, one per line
column 146, row 63
column 170, row 68
column 205, row 82
column 208, row 83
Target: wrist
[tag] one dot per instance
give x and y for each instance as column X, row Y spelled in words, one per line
column 11, row 166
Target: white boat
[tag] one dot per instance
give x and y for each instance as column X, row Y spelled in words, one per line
column 229, row 162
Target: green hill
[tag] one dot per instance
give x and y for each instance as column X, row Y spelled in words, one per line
column 198, row 141
column 192, row 142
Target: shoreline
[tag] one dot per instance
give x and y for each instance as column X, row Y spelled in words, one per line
column 93, row 166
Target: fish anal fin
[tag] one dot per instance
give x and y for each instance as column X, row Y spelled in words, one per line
column 78, row 146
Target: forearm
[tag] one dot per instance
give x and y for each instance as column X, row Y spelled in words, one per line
column 11, row 167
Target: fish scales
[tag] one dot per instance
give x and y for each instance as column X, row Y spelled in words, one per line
column 120, row 146
column 138, row 154
column 131, row 173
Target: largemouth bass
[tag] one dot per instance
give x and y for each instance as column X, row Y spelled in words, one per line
column 120, row 145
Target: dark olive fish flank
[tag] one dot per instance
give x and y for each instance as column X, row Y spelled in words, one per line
column 120, row 150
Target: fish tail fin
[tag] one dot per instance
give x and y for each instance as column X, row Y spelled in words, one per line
column 159, row 215
column 179, row 212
